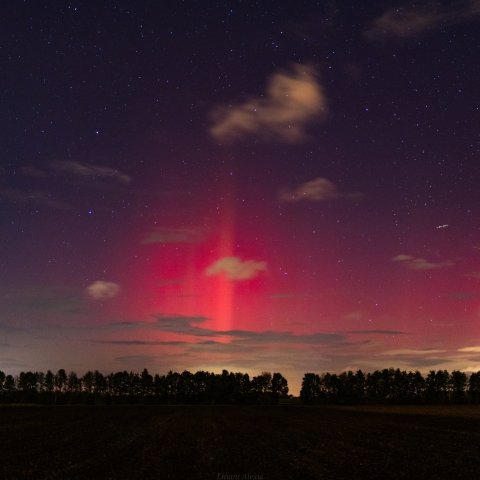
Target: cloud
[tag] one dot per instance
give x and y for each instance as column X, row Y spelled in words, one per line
column 236, row 269
column 292, row 101
column 183, row 325
column 402, row 258
column 318, row 190
column 474, row 349
column 193, row 327
column 140, row 342
column 411, row 22
column 420, row 263
column 85, row 170
column 190, row 326
column 410, row 351
column 70, row 168
column 174, row 235
column 424, row 362
column 101, row 290
column 375, row 332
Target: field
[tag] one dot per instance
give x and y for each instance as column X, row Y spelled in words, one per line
column 239, row 442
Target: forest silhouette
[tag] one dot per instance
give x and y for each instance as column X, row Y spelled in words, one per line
column 391, row 386
column 381, row 386
column 131, row 388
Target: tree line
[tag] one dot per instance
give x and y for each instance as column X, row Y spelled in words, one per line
column 381, row 386
column 131, row 388
column 391, row 386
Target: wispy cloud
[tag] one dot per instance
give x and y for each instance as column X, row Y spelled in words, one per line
column 102, row 290
column 90, row 171
column 293, row 99
column 76, row 169
column 194, row 327
column 236, row 269
column 420, row 263
column 92, row 175
column 317, row 190
column 411, row 351
column 473, row 349
column 375, row 332
column 410, row 22
column 141, row 342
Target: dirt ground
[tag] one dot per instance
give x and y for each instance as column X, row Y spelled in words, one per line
column 239, row 442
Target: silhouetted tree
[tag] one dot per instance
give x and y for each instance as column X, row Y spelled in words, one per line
column 310, row 392
column 146, row 383
column 359, row 387
column 99, row 383
column 8, row 389
column 60, row 380
column 261, row 387
column 415, row 387
column 458, row 386
column 279, row 386
column 49, row 381
column 73, row 382
column 88, row 382
column 474, row 387
column 27, row 384
column 437, row 386
column 171, row 386
column 9, row 385
column 242, row 387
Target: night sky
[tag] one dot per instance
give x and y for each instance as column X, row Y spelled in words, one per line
column 283, row 186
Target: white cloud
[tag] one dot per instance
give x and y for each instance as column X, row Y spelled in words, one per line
column 293, row 99
column 101, row 290
column 236, row 269
column 420, row 263
column 78, row 169
column 410, row 22
column 402, row 258
column 319, row 189
column 409, row 351
column 475, row 349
